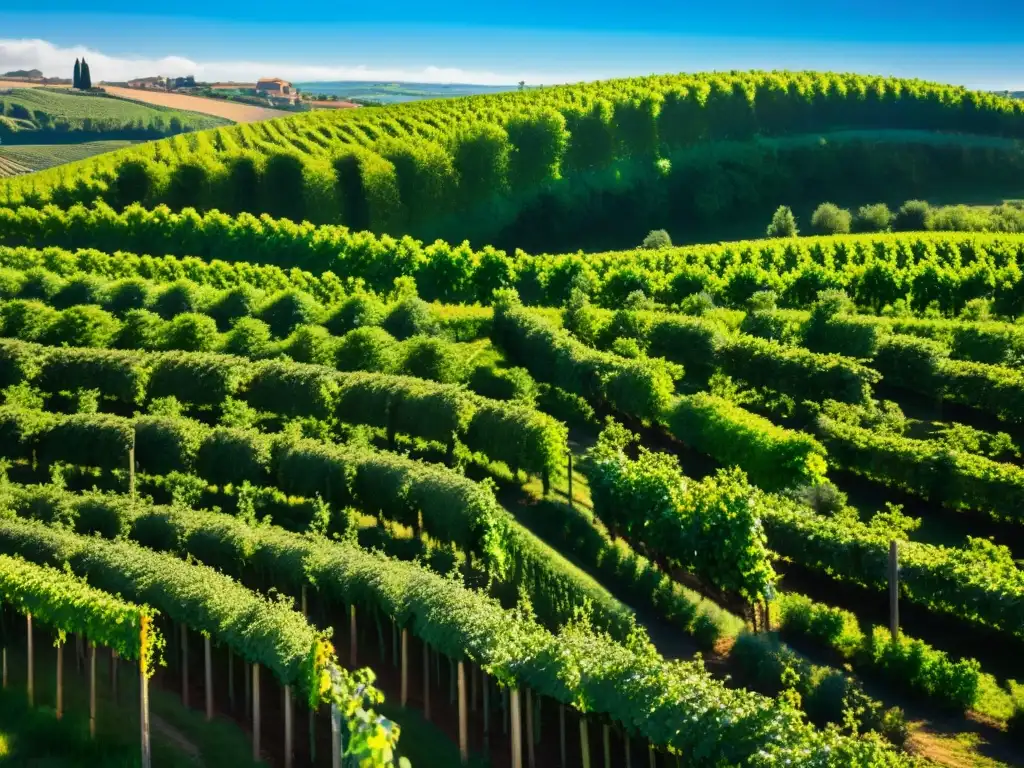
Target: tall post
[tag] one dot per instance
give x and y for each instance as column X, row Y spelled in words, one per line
column 288, row 751
column 184, row 666
column 487, row 712
column 405, row 666
column 571, row 502
column 31, row 676
column 144, row 714
column 629, row 753
column 256, row 712
column 894, row 590
column 5, row 667
column 652, row 759
column 92, row 690
column 584, row 741
column 531, row 759
column 517, row 730
column 561, row 735
column 426, row 681
column 607, row 746
column 209, row 677
column 305, row 612
column 131, row 469
column 473, row 674
column 113, row 673
column 463, row 716
column 352, row 635
column 60, row 680
column 248, row 689
column 231, row 680
column 312, row 712
column 335, row 737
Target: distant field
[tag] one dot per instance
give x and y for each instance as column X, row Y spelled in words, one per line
column 395, row 93
column 237, row 113
column 24, row 158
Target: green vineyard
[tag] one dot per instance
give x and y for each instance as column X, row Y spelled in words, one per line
column 369, row 500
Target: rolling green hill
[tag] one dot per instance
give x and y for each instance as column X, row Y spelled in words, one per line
column 40, row 115
column 585, row 166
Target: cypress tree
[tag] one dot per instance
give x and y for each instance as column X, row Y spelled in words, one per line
column 86, row 77
column 77, row 80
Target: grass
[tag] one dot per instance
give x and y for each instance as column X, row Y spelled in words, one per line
column 24, row 158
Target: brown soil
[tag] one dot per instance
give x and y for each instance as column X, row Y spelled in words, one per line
column 239, row 113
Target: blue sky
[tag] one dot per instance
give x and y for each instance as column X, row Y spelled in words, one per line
column 979, row 44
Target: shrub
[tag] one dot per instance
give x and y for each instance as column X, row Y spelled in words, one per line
column 656, row 239
column 191, row 333
column 179, row 297
column 830, row 219
column 367, row 349
column 428, row 357
column 356, row 311
column 249, row 338
column 783, row 223
column 874, row 218
column 127, row 294
column 140, row 329
column 83, row 326
column 912, row 216
column 410, row 317
column 503, row 383
column 311, row 344
column 289, row 309
column 234, row 304
column 81, row 289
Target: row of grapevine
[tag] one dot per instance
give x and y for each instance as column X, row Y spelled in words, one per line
column 403, row 405
column 875, row 270
column 633, row 687
column 506, row 144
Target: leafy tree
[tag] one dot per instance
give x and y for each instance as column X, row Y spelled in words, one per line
column 830, row 219
column 656, row 239
column 783, row 223
column 76, row 80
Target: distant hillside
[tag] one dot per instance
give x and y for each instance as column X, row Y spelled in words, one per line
column 31, row 74
column 47, row 116
column 395, row 93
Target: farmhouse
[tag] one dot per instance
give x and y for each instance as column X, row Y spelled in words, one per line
column 157, row 82
column 273, row 86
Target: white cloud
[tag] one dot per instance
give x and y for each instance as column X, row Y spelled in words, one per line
column 58, row 62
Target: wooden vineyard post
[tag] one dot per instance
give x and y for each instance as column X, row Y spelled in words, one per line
column 472, row 687
column 288, row 756
column 607, row 746
column 426, row 681
column 113, row 673
column 405, row 666
column 144, row 714
column 231, row 680
column 584, row 742
column 335, row 737
column 531, row 758
column 463, row 716
column 487, row 711
column 92, row 691
column 629, row 753
column 894, row 590
column 208, row 663
column 5, row 667
column 184, row 666
column 131, row 469
column 305, row 612
column 517, row 730
column 248, row 689
column 60, row 680
column 561, row 736
column 571, row 502
column 352, row 635
column 256, row 712
column 652, row 759
column 31, row 691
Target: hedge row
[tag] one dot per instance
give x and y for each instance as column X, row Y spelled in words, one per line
column 773, row 457
column 704, row 347
column 634, row 686
column 926, row 468
column 402, row 405
column 979, row 583
column 912, row 663
column 445, row 504
column 70, row 606
column 875, row 270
